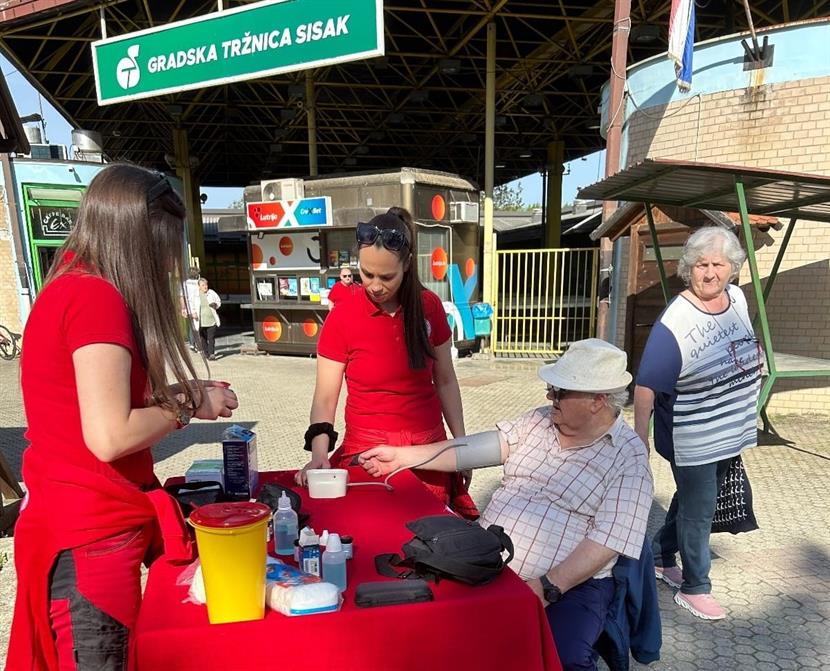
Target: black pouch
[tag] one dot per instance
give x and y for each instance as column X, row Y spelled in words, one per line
column 391, row 593
column 191, row 495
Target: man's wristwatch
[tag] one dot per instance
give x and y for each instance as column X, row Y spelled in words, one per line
column 552, row 592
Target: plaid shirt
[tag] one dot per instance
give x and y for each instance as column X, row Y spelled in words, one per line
column 552, row 498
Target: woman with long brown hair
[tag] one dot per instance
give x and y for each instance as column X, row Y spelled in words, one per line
column 103, row 342
column 391, row 343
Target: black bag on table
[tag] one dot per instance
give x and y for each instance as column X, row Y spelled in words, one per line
column 733, row 508
column 449, row 547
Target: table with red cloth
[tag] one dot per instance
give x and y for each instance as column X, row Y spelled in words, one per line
column 500, row 625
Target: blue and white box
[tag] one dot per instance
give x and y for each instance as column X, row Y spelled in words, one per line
column 240, row 461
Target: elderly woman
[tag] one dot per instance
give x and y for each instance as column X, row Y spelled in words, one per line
column 700, row 375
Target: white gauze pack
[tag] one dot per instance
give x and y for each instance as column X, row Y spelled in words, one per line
column 318, row 597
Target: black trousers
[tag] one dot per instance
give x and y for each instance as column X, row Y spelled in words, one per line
column 208, row 337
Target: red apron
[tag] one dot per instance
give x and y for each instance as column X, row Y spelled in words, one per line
column 447, row 487
column 68, row 507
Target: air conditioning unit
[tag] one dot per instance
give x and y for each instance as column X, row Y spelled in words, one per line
column 252, row 194
column 282, row 189
column 49, row 151
column 465, row 211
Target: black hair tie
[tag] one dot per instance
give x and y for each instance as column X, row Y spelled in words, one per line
column 317, row 429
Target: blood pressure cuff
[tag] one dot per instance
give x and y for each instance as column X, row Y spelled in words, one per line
column 478, row 450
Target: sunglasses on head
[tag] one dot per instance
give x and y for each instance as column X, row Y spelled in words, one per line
column 160, row 188
column 391, row 238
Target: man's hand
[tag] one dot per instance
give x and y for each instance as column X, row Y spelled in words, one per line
column 381, row 460
column 536, row 585
column 467, row 478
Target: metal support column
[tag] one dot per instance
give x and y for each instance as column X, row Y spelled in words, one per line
column 190, row 193
column 488, row 284
column 613, row 143
column 664, row 282
column 766, row 338
column 311, row 117
column 553, row 209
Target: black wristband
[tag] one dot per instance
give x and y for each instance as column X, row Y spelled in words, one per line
column 317, row 429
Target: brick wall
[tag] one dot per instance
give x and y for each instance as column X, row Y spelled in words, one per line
column 782, row 127
column 9, row 294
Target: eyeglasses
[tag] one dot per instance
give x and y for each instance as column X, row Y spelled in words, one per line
column 345, row 277
column 557, row 394
column 746, row 360
column 391, row 238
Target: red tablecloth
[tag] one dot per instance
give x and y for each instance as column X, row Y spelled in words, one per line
column 497, row 626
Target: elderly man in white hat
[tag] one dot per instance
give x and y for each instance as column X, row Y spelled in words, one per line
column 575, row 494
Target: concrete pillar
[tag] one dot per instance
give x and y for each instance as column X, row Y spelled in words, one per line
column 553, row 205
column 311, row 118
column 190, row 193
column 488, row 293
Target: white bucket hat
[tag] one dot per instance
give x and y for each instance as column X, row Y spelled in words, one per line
column 591, row 365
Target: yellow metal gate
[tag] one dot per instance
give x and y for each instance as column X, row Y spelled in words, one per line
column 545, row 300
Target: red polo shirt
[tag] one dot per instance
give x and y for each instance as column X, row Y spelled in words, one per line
column 340, row 291
column 74, row 310
column 383, row 392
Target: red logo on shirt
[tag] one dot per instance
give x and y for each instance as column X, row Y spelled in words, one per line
column 271, row 329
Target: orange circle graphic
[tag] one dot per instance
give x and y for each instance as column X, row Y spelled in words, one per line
column 272, row 260
column 256, row 257
column 439, row 207
column 286, row 245
column 439, row 263
column 310, row 328
column 469, row 268
column 271, row 329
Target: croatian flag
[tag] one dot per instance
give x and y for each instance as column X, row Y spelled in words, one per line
column 682, row 40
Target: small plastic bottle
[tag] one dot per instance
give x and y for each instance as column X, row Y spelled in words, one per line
column 285, row 527
column 346, row 542
column 310, row 552
column 334, row 563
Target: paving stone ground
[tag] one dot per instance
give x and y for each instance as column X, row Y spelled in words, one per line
column 775, row 582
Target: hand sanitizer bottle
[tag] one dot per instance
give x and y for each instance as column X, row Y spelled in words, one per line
column 334, row 563
column 285, row 527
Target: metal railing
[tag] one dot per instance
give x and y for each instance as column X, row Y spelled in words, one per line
column 545, row 300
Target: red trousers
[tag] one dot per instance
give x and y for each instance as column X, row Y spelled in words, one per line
column 447, row 487
column 94, row 597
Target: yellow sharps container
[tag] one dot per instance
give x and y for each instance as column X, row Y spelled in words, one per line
column 232, row 538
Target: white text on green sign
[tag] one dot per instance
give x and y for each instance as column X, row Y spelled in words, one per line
column 257, row 40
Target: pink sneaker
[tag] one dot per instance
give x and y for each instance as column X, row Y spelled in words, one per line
column 671, row 575
column 703, row 606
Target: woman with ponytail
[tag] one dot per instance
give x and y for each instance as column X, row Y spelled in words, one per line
column 391, row 343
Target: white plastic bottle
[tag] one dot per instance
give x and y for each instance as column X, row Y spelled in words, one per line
column 285, row 527
column 334, row 563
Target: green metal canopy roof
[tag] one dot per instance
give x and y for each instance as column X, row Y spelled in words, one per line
column 710, row 186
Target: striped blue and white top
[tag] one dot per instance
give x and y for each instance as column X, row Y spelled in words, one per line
column 705, row 371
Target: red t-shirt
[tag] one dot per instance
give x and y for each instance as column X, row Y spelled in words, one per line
column 340, row 291
column 383, row 392
column 74, row 310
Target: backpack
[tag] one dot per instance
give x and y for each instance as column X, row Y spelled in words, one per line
column 449, row 547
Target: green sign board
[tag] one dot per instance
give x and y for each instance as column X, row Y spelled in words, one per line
column 256, row 40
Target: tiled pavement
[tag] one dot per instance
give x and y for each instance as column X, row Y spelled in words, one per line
column 775, row 582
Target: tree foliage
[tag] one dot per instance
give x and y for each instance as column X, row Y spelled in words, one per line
column 508, row 198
